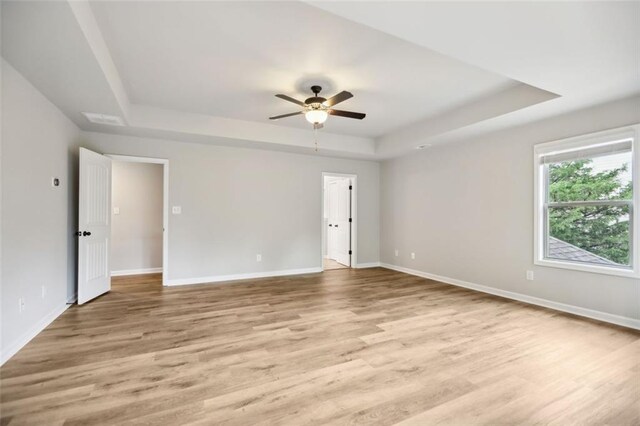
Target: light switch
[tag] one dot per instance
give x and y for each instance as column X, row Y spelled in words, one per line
column 116, row 210
column 176, row 209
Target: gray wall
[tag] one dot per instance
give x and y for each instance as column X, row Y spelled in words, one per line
column 239, row 202
column 38, row 249
column 136, row 232
column 466, row 210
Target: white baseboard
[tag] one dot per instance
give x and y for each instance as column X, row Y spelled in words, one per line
column 31, row 333
column 135, row 272
column 235, row 277
column 367, row 265
column 572, row 309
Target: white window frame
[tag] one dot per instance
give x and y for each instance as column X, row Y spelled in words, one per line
column 539, row 191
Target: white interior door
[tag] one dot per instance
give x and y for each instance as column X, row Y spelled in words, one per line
column 339, row 234
column 342, row 226
column 94, row 225
column 331, row 216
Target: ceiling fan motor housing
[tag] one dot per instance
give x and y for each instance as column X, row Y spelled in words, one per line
column 315, row 99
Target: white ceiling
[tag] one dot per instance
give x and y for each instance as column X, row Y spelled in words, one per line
column 424, row 72
column 588, row 52
column 230, row 59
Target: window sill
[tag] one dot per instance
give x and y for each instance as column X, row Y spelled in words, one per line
column 620, row 272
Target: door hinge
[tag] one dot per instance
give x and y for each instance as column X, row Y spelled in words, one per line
column 350, row 252
column 350, row 220
column 350, row 187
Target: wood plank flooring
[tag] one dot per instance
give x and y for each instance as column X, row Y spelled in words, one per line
column 329, row 264
column 346, row 346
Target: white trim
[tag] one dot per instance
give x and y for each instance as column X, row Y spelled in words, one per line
column 586, row 267
column 563, row 307
column 32, row 332
column 165, row 204
column 235, row 277
column 591, row 139
column 126, row 272
column 627, row 132
column 134, row 159
column 354, row 216
column 368, row 265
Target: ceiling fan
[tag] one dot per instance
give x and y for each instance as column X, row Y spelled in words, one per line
column 316, row 109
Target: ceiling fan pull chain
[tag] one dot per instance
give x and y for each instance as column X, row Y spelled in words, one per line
column 315, row 136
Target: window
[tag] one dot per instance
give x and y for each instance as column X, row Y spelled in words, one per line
column 587, row 203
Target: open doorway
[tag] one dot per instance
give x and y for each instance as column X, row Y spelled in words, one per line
column 96, row 216
column 338, row 221
column 139, row 217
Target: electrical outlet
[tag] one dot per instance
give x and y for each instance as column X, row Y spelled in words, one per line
column 116, row 210
column 21, row 304
column 413, row 255
column 530, row 275
column 258, row 258
column 176, row 210
column 397, row 252
column 44, row 292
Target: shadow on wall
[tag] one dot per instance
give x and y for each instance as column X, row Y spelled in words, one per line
column 72, row 223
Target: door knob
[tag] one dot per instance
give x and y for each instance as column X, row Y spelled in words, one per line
column 78, row 234
column 330, row 225
column 86, row 233
column 336, row 226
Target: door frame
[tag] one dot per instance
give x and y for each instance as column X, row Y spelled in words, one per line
column 165, row 203
column 354, row 216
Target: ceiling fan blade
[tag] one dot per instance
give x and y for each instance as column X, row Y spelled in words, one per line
column 290, row 99
column 348, row 114
column 334, row 100
column 285, row 115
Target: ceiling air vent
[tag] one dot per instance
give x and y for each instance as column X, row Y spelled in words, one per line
column 109, row 120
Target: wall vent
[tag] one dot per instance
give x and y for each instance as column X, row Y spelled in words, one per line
column 109, row 120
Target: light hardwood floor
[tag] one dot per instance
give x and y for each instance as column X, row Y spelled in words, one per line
column 329, row 264
column 342, row 347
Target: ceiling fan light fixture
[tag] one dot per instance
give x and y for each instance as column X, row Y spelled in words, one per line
column 316, row 109
column 316, row 116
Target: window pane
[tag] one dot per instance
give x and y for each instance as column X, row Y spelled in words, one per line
column 602, row 178
column 595, row 234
